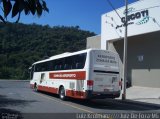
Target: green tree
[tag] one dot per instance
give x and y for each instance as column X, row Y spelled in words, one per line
column 17, row 6
column 21, row 45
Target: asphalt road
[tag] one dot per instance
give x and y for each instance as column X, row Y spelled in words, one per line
column 17, row 100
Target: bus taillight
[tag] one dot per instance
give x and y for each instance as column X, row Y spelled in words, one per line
column 90, row 84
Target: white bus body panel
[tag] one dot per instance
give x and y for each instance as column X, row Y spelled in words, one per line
column 104, row 71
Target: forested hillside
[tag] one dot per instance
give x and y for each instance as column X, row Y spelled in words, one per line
column 21, row 45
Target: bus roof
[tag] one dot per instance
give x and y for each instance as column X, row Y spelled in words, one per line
column 67, row 54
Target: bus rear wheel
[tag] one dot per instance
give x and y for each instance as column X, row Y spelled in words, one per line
column 62, row 93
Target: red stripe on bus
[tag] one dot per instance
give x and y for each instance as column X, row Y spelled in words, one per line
column 79, row 75
column 76, row 94
column 48, row 89
column 69, row 93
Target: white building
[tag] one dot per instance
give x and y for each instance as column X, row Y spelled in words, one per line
column 143, row 40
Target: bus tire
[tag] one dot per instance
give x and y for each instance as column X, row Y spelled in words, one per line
column 35, row 87
column 62, row 95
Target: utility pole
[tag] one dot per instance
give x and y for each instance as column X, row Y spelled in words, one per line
column 125, row 52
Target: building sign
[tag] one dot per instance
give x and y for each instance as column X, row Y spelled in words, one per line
column 142, row 18
column 137, row 18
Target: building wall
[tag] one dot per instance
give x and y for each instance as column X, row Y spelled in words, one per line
column 94, row 42
column 143, row 59
column 142, row 18
column 143, row 40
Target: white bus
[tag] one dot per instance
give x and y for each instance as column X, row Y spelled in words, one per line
column 85, row 74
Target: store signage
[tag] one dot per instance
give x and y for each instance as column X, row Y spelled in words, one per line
column 138, row 18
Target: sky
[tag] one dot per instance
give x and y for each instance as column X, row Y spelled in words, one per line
column 83, row 13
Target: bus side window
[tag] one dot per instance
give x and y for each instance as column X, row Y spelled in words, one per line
column 48, row 66
column 52, row 65
column 56, row 67
column 67, row 63
column 82, row 60
column 79, row 61
column 42, row 67
column 66, row 66
column 79, row 65
column 32, row 71
column 36, row 68
column 73, row 66
column 61, row 67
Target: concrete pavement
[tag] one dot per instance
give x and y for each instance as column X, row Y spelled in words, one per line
column 16, row 96
column 143, row 94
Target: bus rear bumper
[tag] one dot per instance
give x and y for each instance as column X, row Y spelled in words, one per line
column 99, row 95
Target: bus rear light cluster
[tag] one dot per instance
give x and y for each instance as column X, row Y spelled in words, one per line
column 90, row 84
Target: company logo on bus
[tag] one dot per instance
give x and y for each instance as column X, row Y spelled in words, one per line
column 65, row 75
column 137, row 17
column 79, row 75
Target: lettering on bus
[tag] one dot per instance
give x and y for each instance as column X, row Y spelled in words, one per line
column 78, row 75
column 105, row 59
column 65, row 75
